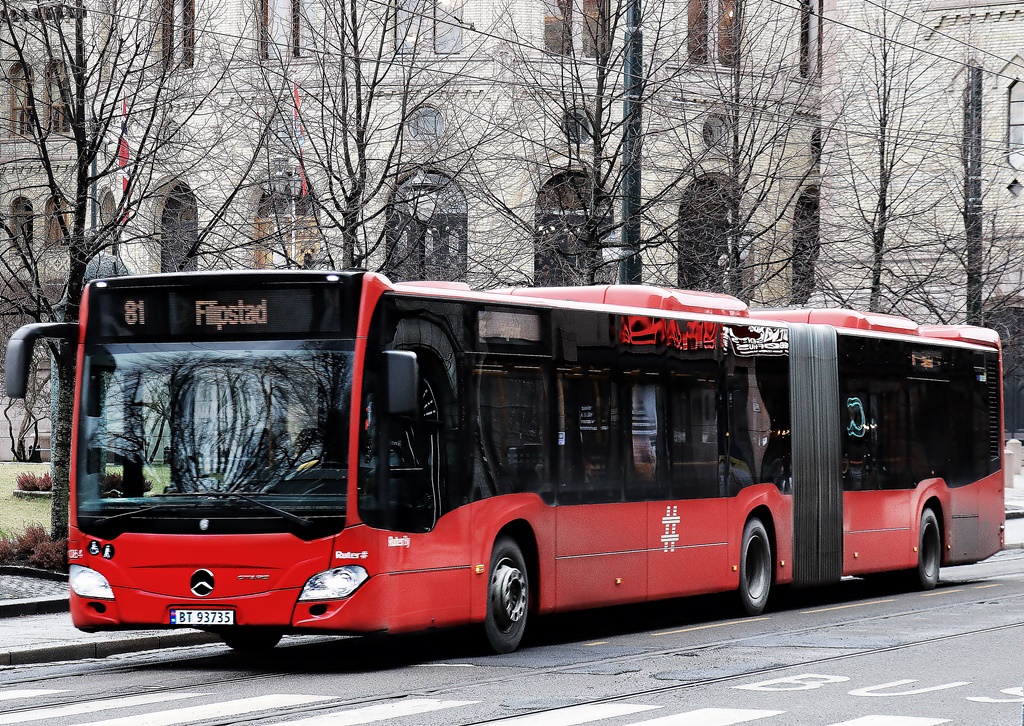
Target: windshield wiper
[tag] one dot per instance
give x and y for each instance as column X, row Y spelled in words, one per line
column 130, row 514
column 284, row 514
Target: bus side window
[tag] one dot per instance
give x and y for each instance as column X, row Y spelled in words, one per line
column 510, row 454
column 588, row 436
column 643, row 448
column 693, row 406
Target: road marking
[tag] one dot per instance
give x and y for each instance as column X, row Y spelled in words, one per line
column 575, row 714
column 942, row 592
column 710, row 717
column 844, row 607
column 379, row 712
column 597, row 642
column 712, row 625
column 893, row 721
column 26, row 693
column 982, row 587
column 77, row 709
column 212, row 710
column 443, row 665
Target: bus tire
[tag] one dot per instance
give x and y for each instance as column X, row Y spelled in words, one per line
column 508, row 597
column 251, row 641
column 755, row 568
column 929, row 551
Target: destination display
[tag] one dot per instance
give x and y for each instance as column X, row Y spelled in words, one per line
column 194, row 313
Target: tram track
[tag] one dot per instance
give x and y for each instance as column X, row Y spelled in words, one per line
column 452, row 690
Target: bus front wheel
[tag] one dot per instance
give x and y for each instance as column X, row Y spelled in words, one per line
column 929, row 551
column 508, row 597
column 755, row 568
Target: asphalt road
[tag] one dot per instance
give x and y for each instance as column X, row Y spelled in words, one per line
column 860, row 654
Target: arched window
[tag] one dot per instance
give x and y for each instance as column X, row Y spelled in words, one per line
column 1016, row 124
column 21, row 106
column 427, row 230
column 22, row 218
column 179, row 230
column 57, row 110
column 286, row 231
column 563, row 207
column 177, row 33
column 806, row 246
column 705, row 227
column 56, row 214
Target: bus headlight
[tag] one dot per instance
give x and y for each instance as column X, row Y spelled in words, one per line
column 334, row 584
column 89, row 583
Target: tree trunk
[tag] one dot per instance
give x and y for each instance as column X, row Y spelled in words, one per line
column 60, row 444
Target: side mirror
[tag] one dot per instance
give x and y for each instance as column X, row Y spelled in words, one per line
column 402, row 372
column 19, row 352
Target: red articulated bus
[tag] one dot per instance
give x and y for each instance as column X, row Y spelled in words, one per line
column 285, row 452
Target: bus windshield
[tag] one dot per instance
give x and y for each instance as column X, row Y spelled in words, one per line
column 233, row 431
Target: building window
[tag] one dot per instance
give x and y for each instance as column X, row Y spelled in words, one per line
column 576, row 27
column 714, row 24
column 576, row 127
column 280, row 29
column 58, row 223
column 448, row 26
column 705, row 229
column 425, row 124
column 563, row 207
column 806, row 246
column 427, row 230
column 179, row 230
column 57, row 109
column 286, row 231
column 1016, row 124
column 810, row 38
column 21, row 223
column 21, row 104
column 412, row 24
column 177, row 33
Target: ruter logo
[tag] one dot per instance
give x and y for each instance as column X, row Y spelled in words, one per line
column 671, row 521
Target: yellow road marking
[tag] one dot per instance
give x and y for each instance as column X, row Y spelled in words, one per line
column 844, row 607
column 713, row 625
column 599, row 642
column 941, row 592
column 982, row 587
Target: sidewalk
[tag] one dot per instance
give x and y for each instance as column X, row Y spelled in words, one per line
column 35, row 626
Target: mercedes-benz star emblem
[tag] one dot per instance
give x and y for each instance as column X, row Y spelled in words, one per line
column 202, row 583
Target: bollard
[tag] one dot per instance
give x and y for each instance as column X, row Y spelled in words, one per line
column 1014, row 454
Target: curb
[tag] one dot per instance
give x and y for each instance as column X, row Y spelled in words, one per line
column 102, row 649
column 35, row 606
column 1015, row 514
column 33, row 572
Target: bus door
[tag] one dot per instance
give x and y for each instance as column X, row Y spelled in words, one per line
column 601, row 540
column 689, row 538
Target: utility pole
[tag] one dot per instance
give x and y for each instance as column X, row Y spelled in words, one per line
column 630, row 270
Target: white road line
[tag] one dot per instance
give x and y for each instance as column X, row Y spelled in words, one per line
column 893, row 721
column 26, row 693
column 212, row 710
column 710, row 717
column 76, row 709
column 379, row 712
column 575, row 715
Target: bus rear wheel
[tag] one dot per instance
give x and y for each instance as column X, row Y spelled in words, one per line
column 508, row 597
column 755, row 568
column 251, row 641
column 929, row 551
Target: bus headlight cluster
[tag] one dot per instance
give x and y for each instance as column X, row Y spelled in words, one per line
column 334, row 584
column 89, row 583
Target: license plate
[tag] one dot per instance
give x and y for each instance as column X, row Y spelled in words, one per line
column 202, row 617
